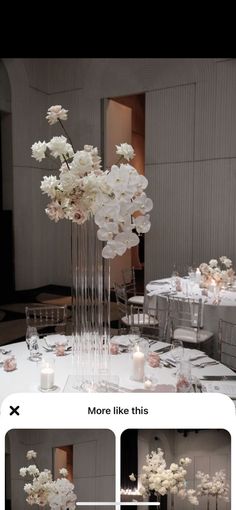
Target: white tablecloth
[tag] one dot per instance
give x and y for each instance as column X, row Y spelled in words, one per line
column 27, row 376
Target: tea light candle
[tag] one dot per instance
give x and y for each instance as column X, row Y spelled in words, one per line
column 47, row 377
column 148, row 384
column 138, row 365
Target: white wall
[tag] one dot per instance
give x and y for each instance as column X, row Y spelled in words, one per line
column 190, row 155
column 93, row 461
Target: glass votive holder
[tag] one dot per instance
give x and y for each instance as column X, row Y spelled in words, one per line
column 184, row 378
column 60, row 349
column 10, row 364
column 153, row 359
column 47, row 375
column 114, row 348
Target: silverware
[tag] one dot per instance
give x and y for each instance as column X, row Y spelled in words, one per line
column 163, row 349
column 205, row 364
column 198, row 357
column 219, row 377
column 4, row 351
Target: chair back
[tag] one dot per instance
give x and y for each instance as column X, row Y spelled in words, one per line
column 121, row 298
column 158, row 310
column 227, row 343
column 185, row 313
column 129, row 281
column 47, row 319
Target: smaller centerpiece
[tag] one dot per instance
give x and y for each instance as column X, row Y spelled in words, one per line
column 213, row 487
column 217, row 272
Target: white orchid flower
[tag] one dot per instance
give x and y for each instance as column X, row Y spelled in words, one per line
column 129, row 239
column 112, row 249
column 107, row 231
column 142, row 224
column 142, row 204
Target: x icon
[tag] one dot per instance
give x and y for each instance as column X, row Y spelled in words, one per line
column 14, row 410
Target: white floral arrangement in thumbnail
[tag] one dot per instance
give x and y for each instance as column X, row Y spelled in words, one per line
column 215, row 486
column 43, row 490
column 157, row 478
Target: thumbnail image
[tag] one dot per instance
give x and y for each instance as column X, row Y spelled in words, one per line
column 55, row 469
column 176, row 469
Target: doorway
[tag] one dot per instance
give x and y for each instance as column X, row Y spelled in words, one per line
column 63, row 458
column 124, row 121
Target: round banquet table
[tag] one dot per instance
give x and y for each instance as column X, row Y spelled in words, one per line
column 27, row 375
column 224, row 308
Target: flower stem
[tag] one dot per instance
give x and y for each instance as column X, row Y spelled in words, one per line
column 66, row 162
column 66, row 133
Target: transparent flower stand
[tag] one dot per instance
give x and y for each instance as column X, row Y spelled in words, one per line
column 90, row 309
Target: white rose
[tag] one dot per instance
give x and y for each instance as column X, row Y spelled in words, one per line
column 23, row 471
column 125, row 150
column 38, row 150
column 55, row 113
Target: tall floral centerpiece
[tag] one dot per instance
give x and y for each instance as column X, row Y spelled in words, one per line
column 108, row 209
column 43, row 491
column 213, row 487
column 159, row 479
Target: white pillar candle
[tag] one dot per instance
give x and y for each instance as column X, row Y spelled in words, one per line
column 138, row 365
column 47, row 377
column 198, row 275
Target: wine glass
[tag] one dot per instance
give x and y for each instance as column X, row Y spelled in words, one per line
column 134, row 336
column 32, row 339
column 177, row 349
column 30, row 331
column 173, row 279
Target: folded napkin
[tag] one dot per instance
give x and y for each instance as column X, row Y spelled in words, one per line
column 121, row 340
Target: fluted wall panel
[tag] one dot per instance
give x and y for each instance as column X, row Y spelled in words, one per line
column 170, row 124
column 197, row 123
column 214, row 210
column 170, row 240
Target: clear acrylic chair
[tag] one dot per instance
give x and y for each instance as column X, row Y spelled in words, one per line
column 158, row 308
column 47, row 319
column 186, row 320
column 129, row 281
column 135, row 316
column 227, row 343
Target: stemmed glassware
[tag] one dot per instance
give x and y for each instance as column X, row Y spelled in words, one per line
column 32, row 339
column 173, row 279
column 134, row 336
column 177, row 349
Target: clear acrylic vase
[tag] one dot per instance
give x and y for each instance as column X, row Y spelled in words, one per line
column 90, row 308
